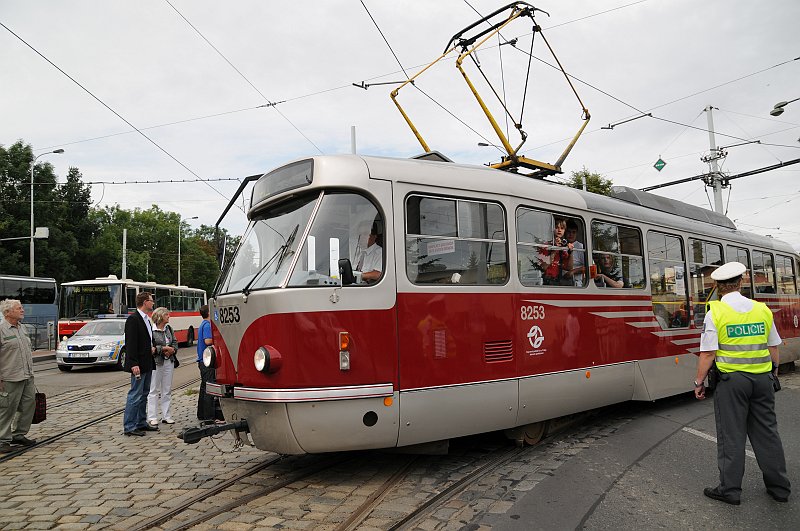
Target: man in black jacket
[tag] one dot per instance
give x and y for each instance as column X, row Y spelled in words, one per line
column 139, row 362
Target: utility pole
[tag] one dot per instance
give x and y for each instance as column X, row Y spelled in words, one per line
column 715, row 179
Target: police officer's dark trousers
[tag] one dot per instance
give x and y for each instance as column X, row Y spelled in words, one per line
column 744, row 406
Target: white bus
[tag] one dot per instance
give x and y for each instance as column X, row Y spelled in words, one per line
column 83, row 300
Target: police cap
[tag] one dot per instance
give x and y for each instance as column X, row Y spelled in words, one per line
column 728, row 271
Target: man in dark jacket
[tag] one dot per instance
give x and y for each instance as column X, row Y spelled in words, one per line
column 139, row 362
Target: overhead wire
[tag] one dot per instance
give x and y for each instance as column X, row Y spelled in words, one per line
column 385, row 39
column 269, row 102
column 414, row 84
column 104, row 104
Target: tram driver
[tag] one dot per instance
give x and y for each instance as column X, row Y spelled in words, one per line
column 369, row 254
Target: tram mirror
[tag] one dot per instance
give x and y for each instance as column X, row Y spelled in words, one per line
column 346, row 272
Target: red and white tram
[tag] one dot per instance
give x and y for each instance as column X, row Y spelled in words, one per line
column 469, row 328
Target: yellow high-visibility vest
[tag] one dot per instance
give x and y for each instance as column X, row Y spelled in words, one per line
column 742, row 338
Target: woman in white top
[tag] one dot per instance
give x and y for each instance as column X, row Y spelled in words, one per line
column 166, row 361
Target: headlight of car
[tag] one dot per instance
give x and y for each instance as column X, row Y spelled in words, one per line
column 110, row 345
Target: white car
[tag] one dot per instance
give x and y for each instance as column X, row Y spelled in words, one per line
column 98, row 342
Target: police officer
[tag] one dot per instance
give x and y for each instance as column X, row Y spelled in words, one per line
column 738, row 334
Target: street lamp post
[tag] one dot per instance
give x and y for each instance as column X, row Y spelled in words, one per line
column 778, row 109
column 180, row 220
column 33, row 165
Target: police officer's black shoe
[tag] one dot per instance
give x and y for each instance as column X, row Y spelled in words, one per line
column 782, row 499
column 715, row 494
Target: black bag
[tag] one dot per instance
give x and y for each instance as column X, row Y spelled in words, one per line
column 40, row 412
column 713, row 377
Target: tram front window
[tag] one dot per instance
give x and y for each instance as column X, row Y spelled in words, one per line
column 265, row 254
column 273, row 240
column 346, row 226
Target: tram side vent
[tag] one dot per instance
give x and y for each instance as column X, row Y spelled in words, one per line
column 496, row 351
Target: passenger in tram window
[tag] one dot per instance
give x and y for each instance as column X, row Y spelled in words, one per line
column 608, row 275
column 556, row 260
column 578, row 256
column 369, row 255
column 680, row 318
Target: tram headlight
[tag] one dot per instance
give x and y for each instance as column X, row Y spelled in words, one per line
column 261, row 359
column 209, row 356
column 267, row 359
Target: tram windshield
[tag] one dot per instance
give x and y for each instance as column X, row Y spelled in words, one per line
column 273, row 239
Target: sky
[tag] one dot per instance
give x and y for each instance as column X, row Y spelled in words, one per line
column 222, row 90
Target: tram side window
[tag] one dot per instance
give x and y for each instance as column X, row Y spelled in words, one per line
column 544, row 256
column 763, row 272
column 347, row 226
column 785, row 275
column 668, row 280
column 737, row 254
column 455, row 241
column 617, row 254
column 706, row 257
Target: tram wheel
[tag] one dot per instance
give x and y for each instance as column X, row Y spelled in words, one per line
column 65, row 368
column 534, row 432
column 529, row 434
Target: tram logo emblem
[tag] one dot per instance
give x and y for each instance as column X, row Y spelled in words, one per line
column 535, row 336
column 795, row 321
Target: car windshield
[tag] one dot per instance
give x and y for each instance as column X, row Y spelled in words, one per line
column 265, row 254
column 102, row 328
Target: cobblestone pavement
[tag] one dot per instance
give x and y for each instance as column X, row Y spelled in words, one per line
column 97, row 478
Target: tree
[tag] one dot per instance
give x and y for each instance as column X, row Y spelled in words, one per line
column 62, row 208
column 594, row 182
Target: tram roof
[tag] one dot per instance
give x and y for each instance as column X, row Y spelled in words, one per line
column 629, row 203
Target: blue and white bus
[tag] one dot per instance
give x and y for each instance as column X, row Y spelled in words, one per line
column 39, row 297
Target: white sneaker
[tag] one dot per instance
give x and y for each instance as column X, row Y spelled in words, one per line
column 168, row 421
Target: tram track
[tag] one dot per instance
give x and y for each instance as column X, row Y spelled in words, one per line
column 97, row 420
column 323, row 464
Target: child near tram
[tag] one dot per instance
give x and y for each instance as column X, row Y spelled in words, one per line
column 166, row 345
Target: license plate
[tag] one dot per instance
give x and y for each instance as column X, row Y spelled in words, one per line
column 80, row 355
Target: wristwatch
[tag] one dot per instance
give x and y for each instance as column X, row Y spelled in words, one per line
column 697, row 384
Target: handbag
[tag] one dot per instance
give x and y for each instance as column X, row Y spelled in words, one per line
column 40, row 411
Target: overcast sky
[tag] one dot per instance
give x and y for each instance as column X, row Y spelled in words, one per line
column 193, row 76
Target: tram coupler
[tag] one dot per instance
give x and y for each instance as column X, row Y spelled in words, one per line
column 194, row 435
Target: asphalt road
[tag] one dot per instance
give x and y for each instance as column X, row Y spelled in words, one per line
column 651, row 473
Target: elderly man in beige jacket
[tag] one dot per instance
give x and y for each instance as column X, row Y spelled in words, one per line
column 17, row 392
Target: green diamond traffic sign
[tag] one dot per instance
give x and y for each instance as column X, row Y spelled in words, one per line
column 659, row 165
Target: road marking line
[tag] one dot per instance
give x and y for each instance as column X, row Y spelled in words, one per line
column 708, row 437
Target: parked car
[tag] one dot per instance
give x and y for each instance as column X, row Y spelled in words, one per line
column 98, row 342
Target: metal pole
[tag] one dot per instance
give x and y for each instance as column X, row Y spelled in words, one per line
column 33, row 165
column 353, row 139
column 125, row 253
column 716, row 178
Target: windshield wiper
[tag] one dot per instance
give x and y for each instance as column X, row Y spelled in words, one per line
column 280, row 254
column 284, row 250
